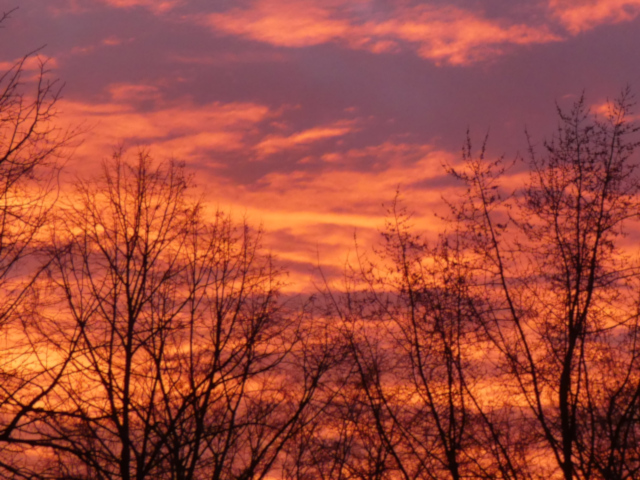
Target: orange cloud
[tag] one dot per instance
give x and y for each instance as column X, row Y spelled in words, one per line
column 581, row 15
column 604, row 109
column 179, row 129
column 277, row 143
column 111, row 41
column 316, row 213
column 307, row 213
column 124, row 92
column 31, row 64
column 156, row 6
column 290, row 23
column 457, row 36
column 81, row 6
column 304, row 212
column 187, row 131
column 440, row 33
column 354, row 192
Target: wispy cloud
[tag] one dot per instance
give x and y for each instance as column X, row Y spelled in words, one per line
column 311, row 213
column 181, row 129
column 284, row 23
column 440, row 33
column 156, row 6
column 31, row 64
column 582, row 15
column 138, row 114
column 276, row 143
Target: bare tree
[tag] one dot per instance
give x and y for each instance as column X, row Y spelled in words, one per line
column 509, row 348
column 188, row 366
column 143, row 336
column 31, row 147
column 409, row 323
column 563, row 290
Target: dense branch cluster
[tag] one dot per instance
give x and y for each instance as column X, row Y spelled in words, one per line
column 145, row 336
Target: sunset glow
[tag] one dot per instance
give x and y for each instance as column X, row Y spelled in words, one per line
column 315, row 112
column 319, row 240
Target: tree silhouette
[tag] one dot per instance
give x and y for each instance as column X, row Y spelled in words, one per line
column 563, row 289
column 31, row 147
column 187, row 365
column 410, row 326
column 508, row 348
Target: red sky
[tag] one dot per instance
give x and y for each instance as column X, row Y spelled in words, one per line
column 306, row 115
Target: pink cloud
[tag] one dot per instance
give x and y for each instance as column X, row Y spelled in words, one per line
column 31, row 64
column 458, row 37
column 81, row 6
column 181, row 129
column 289, row 23
column 440, row 33
column 111, row 41
column 124, row 92
column 190, row 131
column 277, row 143
column 582, row 15
column 156, row 6
column 294, row 205
column 310, row 213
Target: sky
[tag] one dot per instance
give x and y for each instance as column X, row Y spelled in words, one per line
column 306, row 116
